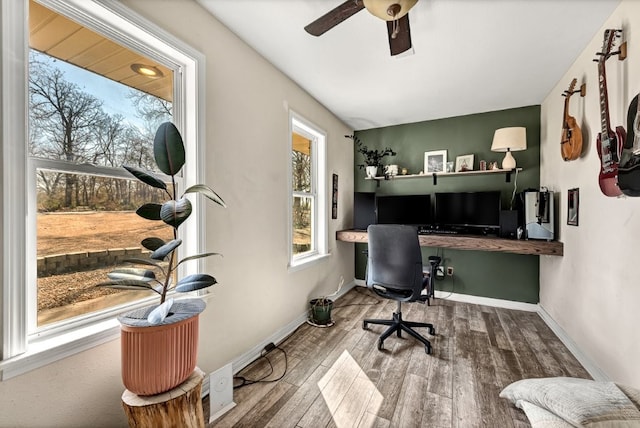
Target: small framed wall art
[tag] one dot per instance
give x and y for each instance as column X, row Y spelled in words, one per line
column 334, row 196
column 573, row 203
column 435, row 161
column 464, row 163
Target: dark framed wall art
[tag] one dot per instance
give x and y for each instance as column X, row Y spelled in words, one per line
column 573, row 204
column 334, row 197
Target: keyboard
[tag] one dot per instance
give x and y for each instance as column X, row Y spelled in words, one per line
column 437, row 232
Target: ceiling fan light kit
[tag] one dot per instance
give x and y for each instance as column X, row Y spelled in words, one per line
column 394, row 12
column 389, row 10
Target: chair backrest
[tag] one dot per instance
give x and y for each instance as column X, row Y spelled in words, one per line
column 394, row 261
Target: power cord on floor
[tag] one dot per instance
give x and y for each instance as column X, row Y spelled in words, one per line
column 265, row 352
column 243, row 381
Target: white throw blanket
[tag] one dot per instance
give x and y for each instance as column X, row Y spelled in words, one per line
column 563, row 402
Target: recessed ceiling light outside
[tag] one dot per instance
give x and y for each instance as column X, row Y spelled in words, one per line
column 147, row 70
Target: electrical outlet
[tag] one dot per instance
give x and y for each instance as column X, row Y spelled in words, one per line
column 440, row 272
column 450, row 270
column 220, row 392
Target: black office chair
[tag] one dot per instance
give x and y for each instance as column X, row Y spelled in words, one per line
column 394, row 271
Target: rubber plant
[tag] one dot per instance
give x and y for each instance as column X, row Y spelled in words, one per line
column 169, row 155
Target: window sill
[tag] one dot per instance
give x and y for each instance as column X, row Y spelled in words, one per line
column 45, row 351
column 307, row 262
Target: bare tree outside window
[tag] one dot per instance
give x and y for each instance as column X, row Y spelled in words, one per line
column 302, row 205
column 77, row 211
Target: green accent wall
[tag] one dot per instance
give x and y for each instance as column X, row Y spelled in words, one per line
column 479, row 273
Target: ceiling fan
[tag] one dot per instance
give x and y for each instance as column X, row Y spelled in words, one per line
column 395, row 12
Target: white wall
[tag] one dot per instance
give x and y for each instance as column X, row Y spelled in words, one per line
column 593, row 292
column 247, row 158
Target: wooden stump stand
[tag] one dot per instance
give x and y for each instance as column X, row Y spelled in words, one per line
column 180, row 407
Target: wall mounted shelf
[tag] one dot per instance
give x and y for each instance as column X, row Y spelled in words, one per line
column 436, row 175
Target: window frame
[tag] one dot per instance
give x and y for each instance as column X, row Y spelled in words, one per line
column 21, row 351
column 319, row 216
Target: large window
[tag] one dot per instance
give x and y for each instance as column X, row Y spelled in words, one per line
column 97, row 82
column 79, row 120
column 308, row 210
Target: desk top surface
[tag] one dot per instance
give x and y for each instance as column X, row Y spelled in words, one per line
column 471, row 242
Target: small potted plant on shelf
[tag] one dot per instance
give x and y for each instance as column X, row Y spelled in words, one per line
column 159, row 343
column 372, row 157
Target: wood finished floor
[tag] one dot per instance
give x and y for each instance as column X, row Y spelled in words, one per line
column 336, row 377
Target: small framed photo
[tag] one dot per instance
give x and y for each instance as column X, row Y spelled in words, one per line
column 573, row 203
column 464, row 163
column 435, row 161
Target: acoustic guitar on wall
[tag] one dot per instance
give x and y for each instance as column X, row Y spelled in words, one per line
column 629, row 169
column 571, row 141
column 609, row 143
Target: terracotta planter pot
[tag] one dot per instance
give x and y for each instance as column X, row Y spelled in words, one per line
column 156, row 359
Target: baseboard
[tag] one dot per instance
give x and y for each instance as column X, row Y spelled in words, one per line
column 487, row 301
column 595, row 372
column 477, row 300
column 221, row 412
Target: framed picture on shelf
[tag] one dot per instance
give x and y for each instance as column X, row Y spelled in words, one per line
column 464, row 163
column 435, row 161
column 573, row 203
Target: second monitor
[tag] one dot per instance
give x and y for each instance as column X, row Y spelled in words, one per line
column 404, row 209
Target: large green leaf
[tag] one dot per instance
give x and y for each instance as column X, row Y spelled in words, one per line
column 194, row 282
column 174, row 213
column 144, row 275
column 198, row 256
column 129, row 284
column 146, row 177
column 152, row 243
column 165, row 250
column 143, row 261
column 149, row 211
column 208, row 192
column 168, row 149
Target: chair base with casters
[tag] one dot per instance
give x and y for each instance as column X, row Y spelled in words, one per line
column 398, row 325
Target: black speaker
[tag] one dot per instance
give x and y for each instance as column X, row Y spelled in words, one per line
column 364, row 210
column 509, row 224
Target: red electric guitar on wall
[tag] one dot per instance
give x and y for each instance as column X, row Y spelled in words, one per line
column 629, row 170
column 609, row 143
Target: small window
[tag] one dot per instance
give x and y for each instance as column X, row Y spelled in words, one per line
column 308, row 219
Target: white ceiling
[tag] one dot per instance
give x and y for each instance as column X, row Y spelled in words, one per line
column 470, row 56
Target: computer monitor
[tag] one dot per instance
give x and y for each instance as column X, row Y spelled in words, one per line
column 468, row 209
column 364, row 210
column 404, row 209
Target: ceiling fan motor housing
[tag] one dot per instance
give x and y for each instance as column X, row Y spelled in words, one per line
column 389, row 10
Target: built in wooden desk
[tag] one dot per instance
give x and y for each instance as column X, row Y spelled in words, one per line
column 471, row 242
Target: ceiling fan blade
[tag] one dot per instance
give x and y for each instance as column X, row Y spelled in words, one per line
column 334, row 17
column 402, row 41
